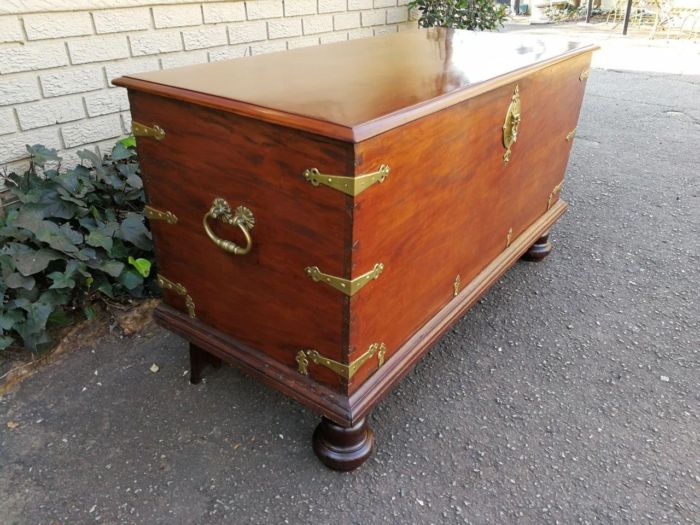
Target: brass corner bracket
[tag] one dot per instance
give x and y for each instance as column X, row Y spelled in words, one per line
column 584, row 74
column 550, row 199
column 348, row 286
column 349, row 185
column 158, row 215
column 511, row 124
column 141, row 130
column 456, row 286
column 345, row 371
column 570, row 135
column 179, row 289
column 509, row 237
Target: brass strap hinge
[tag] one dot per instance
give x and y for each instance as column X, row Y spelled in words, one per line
column 570, row 135
column 348, row 286
column 345, row 371
column 557, row 189
column 157, row 215
column 167, row 284
column 141, row 130
column 511, row 124
column 349, row 185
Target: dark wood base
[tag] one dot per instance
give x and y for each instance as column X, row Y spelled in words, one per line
column 343, row 448
column 198, row 360
column 539, row 250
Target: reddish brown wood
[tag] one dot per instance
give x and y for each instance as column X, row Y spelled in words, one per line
column 358, row 89
column 424, row 104
column 343, row 447
column 540, row 249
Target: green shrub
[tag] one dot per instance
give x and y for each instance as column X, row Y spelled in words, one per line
column 460, row 14
column 69, row 238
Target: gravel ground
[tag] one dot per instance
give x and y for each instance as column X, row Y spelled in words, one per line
column 569, row 394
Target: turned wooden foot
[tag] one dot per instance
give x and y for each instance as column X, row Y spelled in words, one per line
column 539, row 250
column 198, row 360
column 343, row 448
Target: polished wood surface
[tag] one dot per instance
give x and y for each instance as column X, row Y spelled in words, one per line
column 357, row 89
column 450, row 201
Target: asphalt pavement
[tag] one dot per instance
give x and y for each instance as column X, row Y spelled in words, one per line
column 568, row 394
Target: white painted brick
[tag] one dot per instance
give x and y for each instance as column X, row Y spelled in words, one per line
column 91, row 130
column 205, row 37
column 334, row 37
column 29, row 57
column 384, row 3
column 331, row 6
column 10, row 29
column 305, row 41
column 408, row 26
column 395, row 15
column 225, row 12
column 384, row 30
column 126, row 122
column 354, row 5
column 318, row 24
column 75, row 80
column 129, row 67
column 403, row 2
column 156, row 42
column 364, row 32
column 346, row 21
column 257, row 9
column 98, row 49
column 247, row 32
column 184, row 59
column 49, row 112
column 373, row 18
column 57, row 25
column 7, row 121
column 16, row 89
column 229, row 52
column 268, row 47
column 299, row 7
column 284, row 28
column 177, row 15
column 119, row 20
column 14, row 147
column 106, row 102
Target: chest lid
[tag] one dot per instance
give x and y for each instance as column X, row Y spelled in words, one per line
column 357, row 89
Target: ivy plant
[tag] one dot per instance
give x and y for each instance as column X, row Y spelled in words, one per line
column 460, row 14
column 68, row 238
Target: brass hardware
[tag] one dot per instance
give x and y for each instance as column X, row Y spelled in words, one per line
column 511, row 124
column 167, row 284
column 349, row 185
column 456, row 286
column 570, row 135
column 348, row 286
column 556, row 190
column 344, row 371
column 243, row 218
column 141, row 130
column 157, row 215
column 509, row 237
column 584, row 74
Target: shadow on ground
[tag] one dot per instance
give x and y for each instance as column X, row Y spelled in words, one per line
column 568, row 394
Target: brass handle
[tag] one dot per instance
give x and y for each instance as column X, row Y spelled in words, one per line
column 243, row 218
column 511, row 124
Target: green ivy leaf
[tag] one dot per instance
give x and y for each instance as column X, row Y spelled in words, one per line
column 28, row 262
column 134, row 230
column 17, row 280
column 143, row 266
column 113, row 268
column 130, row 279
column 41, row 154
column 89, row 312
column 61, row 280
column 99, row 239
column 10, row 318
column 128, row 142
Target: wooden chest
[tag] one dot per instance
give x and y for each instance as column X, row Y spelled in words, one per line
column 321, row 216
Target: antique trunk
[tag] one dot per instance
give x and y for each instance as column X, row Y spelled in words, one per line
column 321, row 216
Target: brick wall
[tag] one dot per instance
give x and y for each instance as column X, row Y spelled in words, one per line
column 57, row 58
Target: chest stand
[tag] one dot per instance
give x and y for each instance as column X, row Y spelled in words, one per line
column 539, row 250
column 343, row 448
column 198, row 360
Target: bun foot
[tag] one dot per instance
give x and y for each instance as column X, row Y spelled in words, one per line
column 198, row 360
column 539, row 250
column 343, row 448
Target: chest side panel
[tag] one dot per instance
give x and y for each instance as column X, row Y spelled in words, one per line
column 451, row 204
column 263, row 299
